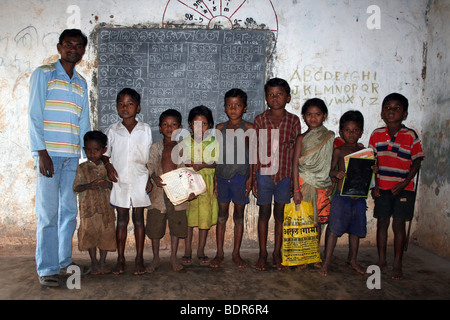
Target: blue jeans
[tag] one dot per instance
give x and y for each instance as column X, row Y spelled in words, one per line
column 56, row 210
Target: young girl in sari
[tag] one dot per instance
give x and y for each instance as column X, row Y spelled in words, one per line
column 312, row 161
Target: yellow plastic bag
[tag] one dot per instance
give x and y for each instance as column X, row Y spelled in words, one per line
column 300, row 235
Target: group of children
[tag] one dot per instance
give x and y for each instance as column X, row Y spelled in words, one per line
column 124, row 168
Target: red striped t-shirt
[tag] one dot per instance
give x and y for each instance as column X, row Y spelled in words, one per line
column 395, row 155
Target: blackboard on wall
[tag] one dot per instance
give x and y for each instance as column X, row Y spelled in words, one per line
column 179, row 69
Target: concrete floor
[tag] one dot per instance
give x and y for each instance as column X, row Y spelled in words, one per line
column 427, row 277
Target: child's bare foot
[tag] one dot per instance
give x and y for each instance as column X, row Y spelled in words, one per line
column 397, row 273
column 325, row 269
column 261, row 264
column 155, row 265
column 277, row 262
column 103, row 268
column 215, row 263
column 95, row 268
column 120, row 267
column 176, row 266
column 240, row 263
column 382, row 265
column 318, row 265
column 301, row 267
column 356, row 267
column 139, row 267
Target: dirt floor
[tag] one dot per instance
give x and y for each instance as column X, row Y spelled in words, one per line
column 426, row 277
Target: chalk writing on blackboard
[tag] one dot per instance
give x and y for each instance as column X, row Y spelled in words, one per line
column 179, row 69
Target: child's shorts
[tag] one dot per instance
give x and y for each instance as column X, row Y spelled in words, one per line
column 232, row 190
column 156, row 222
column 281, row 191
column 400, row 206
column 348, row 215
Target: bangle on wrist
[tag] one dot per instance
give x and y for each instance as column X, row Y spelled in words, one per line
column 297, row 190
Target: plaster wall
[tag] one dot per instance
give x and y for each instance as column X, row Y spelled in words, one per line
column 433, row 222
column 349, row 53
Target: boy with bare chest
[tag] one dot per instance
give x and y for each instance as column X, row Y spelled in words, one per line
column 347, row 214
column 162, row 211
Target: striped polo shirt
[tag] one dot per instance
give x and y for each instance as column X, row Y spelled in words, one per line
column 395, row 155
column 58, row 111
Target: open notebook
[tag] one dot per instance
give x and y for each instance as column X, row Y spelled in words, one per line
column 181, row 182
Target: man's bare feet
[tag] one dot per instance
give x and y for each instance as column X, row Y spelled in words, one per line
column 215, row 263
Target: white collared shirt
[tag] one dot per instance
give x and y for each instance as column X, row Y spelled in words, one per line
column 129, row 153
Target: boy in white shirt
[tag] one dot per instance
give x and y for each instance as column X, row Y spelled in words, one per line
column 128, row 147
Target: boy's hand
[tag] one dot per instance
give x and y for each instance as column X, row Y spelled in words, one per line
column 339, row 175
column 399, row 187
column 112, row 173
column 375, row 168
column 330, row 190
column 99, row 184
column 255, row 187
column 248, row 186
column 149, row 185
column 158, row 181
column 375, row 192
column 298, row 197
column 192, row 196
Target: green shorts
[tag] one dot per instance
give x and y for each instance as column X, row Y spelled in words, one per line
column 155, row 227
column 399, row 206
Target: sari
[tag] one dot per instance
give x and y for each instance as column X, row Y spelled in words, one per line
column 314, row 169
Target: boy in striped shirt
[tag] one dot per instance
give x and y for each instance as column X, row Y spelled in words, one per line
column 399, row 154
column 277, row 130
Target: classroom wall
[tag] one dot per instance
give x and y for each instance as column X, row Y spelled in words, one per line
column 349, row 53
column 433, row 223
